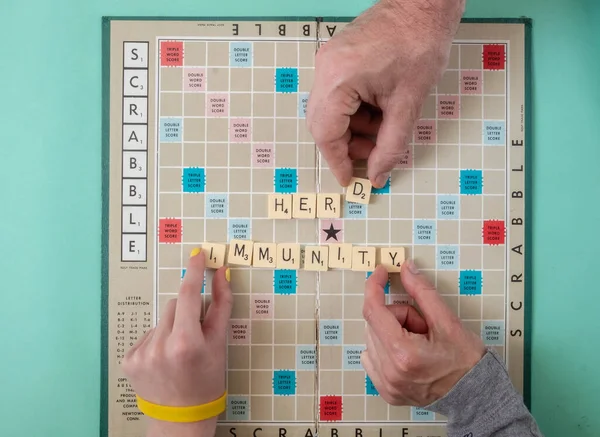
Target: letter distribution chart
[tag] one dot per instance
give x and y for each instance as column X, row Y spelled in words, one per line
column 206, row 145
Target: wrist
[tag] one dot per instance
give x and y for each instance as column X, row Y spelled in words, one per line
column 158, row 428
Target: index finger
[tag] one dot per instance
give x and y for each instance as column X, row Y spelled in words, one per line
column 381, row 320
column 330, row 104
column 329, row 126
column 189, row 302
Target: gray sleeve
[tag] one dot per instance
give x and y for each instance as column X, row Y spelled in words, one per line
column 484, row 403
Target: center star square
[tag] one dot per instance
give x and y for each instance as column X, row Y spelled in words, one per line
column 331, row 232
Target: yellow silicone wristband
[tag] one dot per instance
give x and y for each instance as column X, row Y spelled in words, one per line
column 195, row 413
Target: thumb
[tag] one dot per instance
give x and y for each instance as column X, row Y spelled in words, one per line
column 435, row 311
column 219, row 311
column 392, row 141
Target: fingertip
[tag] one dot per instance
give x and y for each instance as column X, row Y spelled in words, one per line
column 380, row 276
column 380, row 181
column 378, row 169
column 196, row 257
column 408, row 271
column 409, row 268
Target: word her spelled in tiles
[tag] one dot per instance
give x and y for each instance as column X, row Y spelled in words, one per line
column 291, row 256
column 317, row 205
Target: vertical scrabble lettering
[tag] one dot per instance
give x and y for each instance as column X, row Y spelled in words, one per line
column 329, row 205
column 280, row 206
column 134, row 150
column 240, row 252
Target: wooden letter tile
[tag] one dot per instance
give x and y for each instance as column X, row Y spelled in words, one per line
column 363, row 259
column 391, row 258
column 359, row 191
column 280, row 206
column 340, row 256
column 288, row 256
column 214, row 255
column 265, row 255
column 240, row 252
column 316, row 258
column 329, row 205
column 305, row 206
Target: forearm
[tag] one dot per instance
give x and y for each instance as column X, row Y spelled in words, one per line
column 157, row 428
column 445, row 10
column 433, row 22
column 484, row 403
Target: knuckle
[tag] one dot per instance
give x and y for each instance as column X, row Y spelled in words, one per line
column 153, row 357
column 183, row 349
column 406, row 363
column 188, row 288
column 390, row 374
column 393, row 390
column 393, row 154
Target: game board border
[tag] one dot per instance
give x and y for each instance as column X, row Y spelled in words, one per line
column 105, row 183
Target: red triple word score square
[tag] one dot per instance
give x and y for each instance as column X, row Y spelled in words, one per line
column 171, row 53
column 169, row 230
column 494, row 232
column 494, row 57
column 330, row 408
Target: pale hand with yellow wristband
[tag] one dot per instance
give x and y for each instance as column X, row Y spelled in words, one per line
column 177, row 369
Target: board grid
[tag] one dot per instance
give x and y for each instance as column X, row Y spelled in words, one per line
column 227, row 117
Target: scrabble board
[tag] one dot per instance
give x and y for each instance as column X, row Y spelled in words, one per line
column 205, row 145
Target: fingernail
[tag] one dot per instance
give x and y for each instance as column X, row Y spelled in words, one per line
column 195, row 252
column 228, row 275
column 382, row 179
column 412, row 267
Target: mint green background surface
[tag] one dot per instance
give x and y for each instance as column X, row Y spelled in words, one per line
column 50, row 209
